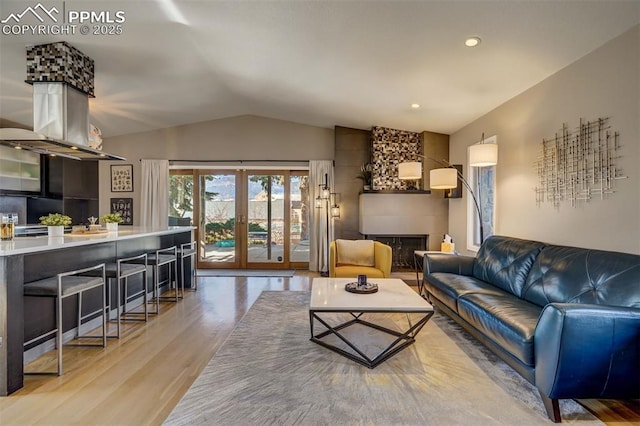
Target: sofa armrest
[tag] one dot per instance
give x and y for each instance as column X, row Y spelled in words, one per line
column 454, row 264
column 587, row 351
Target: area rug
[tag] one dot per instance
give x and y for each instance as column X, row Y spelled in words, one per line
column 407, row 277
column 268, row 372
column 245, row 273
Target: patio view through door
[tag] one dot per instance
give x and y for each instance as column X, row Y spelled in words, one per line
column 255, row 219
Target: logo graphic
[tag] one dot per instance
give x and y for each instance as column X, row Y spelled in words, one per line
column 33, row 11
column 44, row 20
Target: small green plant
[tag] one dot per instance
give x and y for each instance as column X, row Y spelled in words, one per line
column 55, row 219
column 111, row 218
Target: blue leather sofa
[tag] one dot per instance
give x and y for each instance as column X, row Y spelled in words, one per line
column 567, row 319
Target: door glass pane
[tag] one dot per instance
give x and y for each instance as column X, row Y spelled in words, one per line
column 299, row 224
column 218, row 198
column 265, row 225
column 180, row 199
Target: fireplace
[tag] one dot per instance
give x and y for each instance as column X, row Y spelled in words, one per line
column 402, row 247
column 404, row 220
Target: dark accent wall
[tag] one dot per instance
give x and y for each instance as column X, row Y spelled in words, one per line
column 435, row 146
column 352, row 150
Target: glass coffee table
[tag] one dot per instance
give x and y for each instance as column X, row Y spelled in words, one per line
column 328, row 296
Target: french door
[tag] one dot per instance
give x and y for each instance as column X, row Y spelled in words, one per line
column 252, row 218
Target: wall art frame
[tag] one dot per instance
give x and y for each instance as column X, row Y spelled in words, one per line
column 122, row 178
column 124, row 206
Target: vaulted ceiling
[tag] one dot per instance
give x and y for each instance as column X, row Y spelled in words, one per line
column 323, row 63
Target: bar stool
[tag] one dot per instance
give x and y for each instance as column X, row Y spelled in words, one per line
column 64, row 285
column 121, row 270
column 187, row 250
column 157, row 259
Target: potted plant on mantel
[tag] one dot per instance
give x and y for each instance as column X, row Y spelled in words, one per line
column 55, row 223
column 111, row 221
column 366, row 174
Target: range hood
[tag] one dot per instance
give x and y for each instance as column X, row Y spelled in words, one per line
column 42, row 144
column 62, row 80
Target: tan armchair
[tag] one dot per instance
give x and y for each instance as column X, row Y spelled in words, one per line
column 350, row 258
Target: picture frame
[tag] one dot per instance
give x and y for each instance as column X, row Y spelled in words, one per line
column 124, row 206
column 122, row 178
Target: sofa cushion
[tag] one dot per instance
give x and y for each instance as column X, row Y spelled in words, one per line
column 448, row 287
column 508, row 321
column 355, row 252
column 505, row 262
column 577, row 275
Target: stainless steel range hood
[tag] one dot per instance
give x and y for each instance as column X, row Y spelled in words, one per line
column 42, row 144
column 61, row 124
column 62, row 79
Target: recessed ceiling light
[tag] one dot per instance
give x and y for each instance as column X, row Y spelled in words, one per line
column 472, row 41
column 415, row 106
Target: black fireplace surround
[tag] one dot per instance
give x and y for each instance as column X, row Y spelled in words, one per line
column 402, row 247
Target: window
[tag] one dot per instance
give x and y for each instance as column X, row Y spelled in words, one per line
column 482, row 181
column 180, row 197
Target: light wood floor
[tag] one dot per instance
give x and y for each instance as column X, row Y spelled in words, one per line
column 138, row 379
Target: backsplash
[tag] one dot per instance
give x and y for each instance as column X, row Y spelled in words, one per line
column 390, row 147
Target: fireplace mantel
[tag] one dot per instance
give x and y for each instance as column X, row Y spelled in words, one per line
column 398, row 191
column 402, row 214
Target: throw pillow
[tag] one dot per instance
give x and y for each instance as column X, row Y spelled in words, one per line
column 355, row 252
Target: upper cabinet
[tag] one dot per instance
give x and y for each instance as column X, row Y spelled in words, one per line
column 71, row 178
column 19, row 171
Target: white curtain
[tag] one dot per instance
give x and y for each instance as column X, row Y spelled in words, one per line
column 321, row 230
column 155, row 194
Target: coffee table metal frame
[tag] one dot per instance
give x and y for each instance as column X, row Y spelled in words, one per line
column 403, row 338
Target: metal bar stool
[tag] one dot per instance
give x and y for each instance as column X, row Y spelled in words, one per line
column 119, row 271
column 64, row 285
column 157, row 259
column 187, row 250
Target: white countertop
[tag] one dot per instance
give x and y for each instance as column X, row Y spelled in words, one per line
column 393, row 295
column 25, row 245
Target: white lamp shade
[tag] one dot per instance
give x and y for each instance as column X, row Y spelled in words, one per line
column 411, row 170
column 446, row 178
column 483, row 155
column 335, row 211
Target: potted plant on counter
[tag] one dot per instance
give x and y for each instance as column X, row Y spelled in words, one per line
column 111, row 221
column 55, row 223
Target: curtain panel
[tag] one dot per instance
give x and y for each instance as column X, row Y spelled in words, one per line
column 155, row 194
column 321, row 230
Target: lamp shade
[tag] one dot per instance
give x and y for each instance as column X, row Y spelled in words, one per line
column 411, row 170
column 445, row 178
column 335, row 211
column 483, row 155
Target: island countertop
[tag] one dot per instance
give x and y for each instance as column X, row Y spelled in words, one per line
column 26, row 245
column 28, row 259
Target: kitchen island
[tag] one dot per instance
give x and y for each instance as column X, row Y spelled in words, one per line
column 26, row 259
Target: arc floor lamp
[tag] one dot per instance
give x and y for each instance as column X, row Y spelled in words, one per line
column 480, row 155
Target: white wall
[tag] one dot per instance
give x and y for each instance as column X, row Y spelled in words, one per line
column 604, row 83
column 235, row 138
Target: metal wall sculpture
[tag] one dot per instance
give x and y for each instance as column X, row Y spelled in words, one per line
column 578, row 165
